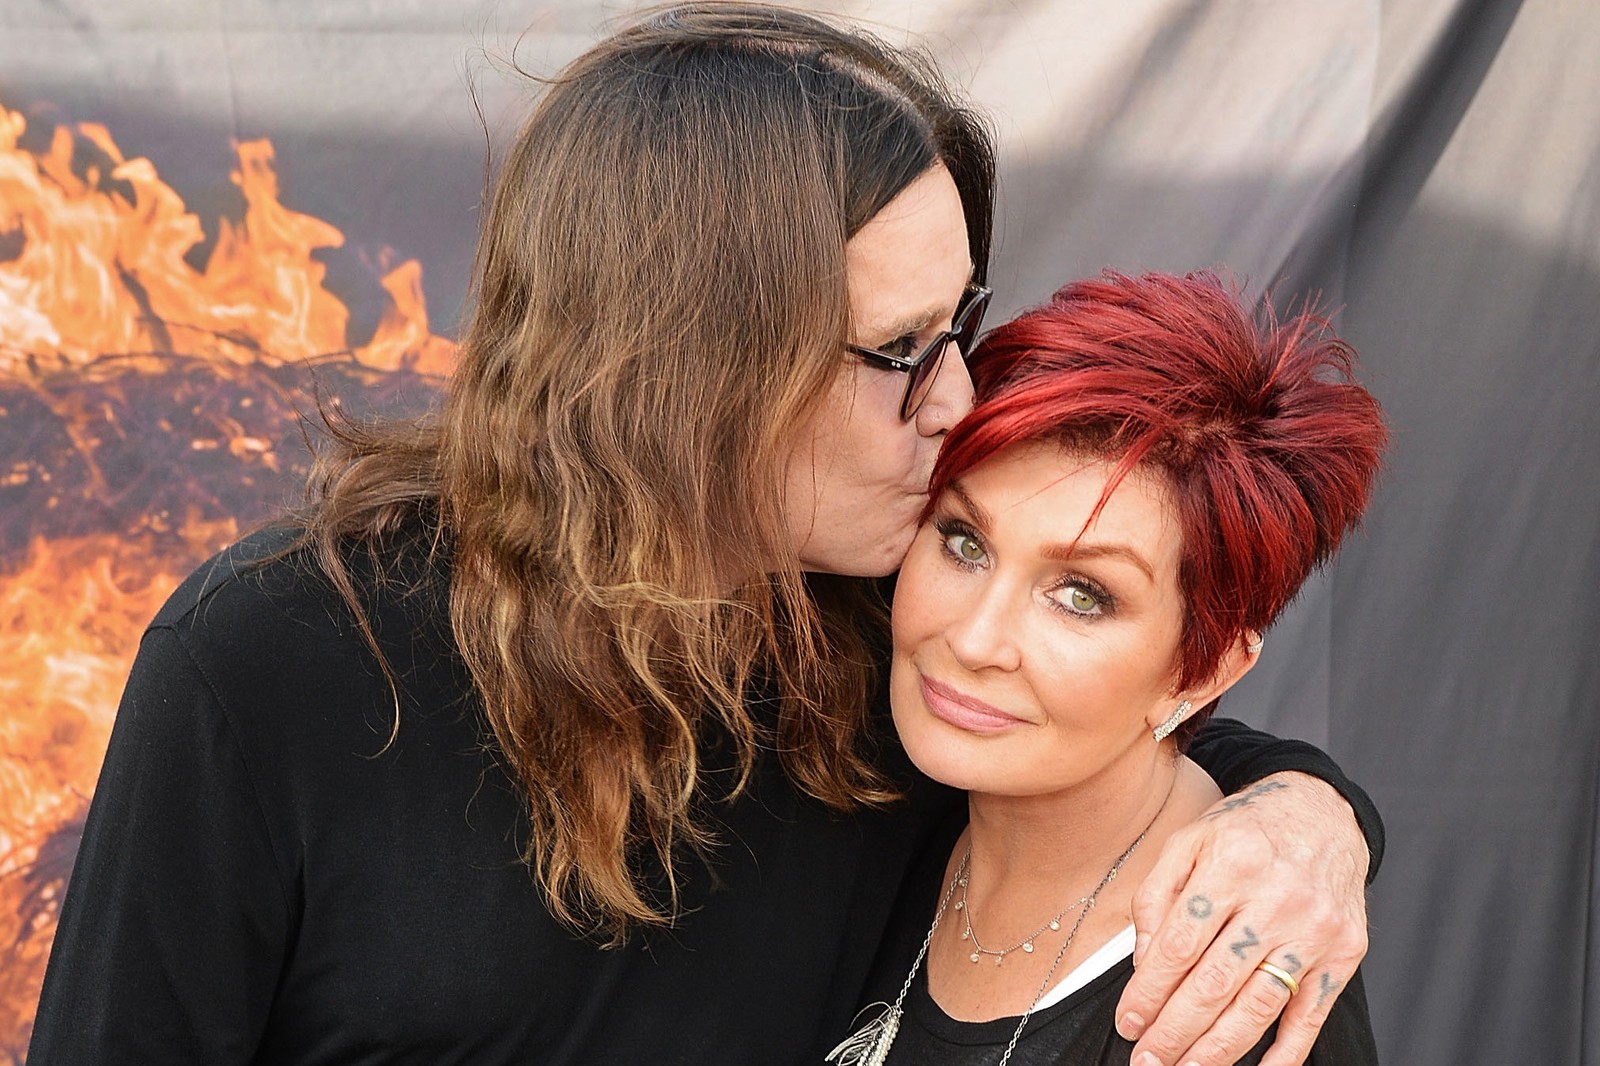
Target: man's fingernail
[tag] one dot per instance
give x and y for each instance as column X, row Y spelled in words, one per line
column 1131, row 1026
column 1139, row 947
column 1146, row 1058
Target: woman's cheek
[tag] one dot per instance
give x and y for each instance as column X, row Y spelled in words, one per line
column 910, row 591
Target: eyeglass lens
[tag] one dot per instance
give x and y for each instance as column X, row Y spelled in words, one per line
column 964, row 331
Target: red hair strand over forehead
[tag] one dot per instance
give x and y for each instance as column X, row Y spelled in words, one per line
column 1266, row 442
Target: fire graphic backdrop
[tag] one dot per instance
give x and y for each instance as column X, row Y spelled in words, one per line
column 150, row 410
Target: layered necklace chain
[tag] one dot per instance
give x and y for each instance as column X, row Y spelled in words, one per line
column 869, row 1045
column 1024, row 945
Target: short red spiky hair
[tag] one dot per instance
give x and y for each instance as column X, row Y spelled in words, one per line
column 1267, row 444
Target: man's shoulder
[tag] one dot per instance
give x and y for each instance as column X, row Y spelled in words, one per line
column 268, row 558
column 268, row 599
column 261, row 633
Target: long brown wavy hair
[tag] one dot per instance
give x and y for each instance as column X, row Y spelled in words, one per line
column 658, row 300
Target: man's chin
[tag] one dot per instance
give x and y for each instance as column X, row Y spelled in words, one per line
column 876, row 555
column 896, row 554
column 879, row 563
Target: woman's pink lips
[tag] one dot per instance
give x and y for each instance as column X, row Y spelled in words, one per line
column 963, row 711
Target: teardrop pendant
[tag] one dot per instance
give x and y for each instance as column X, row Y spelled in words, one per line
column 1027, row 945
column 1055, row 924
column 973, row 956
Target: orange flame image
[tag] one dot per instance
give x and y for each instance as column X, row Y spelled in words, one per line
column 149, row 411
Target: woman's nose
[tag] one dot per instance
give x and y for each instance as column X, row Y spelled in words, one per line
column 982, row 635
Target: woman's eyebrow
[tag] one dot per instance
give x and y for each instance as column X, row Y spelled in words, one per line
column 1098, row 550
column 974, row 509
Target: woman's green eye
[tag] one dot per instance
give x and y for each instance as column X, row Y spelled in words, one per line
column 966, row 548
column 1081, row 601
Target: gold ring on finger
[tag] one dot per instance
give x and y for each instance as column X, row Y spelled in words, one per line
column 1282, row 976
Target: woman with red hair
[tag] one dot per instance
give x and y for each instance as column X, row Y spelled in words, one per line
column 1148, row 477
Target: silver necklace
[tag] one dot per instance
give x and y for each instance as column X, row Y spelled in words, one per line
column 1025, row 944
column 869, row 1045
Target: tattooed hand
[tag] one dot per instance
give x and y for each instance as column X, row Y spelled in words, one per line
column 1273, row 874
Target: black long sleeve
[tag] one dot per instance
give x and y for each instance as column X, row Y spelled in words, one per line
column 1237, row 755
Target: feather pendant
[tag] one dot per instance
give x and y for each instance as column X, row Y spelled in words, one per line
column 869, row 1045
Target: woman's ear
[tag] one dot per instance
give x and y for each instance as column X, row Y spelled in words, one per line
column 1234, row 664
column 1237, row 661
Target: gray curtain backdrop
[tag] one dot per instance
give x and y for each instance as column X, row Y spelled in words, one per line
column 1430, row 167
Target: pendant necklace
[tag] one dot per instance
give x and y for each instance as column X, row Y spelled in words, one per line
column 869, row 1045
column 1026, row 943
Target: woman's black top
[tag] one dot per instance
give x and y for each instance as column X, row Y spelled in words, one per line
column 1080, row 1030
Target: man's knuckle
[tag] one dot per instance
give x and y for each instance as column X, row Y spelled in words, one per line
column 1165, row 1042
column 1220, row 1048
column 1302, row 855
column 1310, row 1021
column 1261, row 1003
column 1245, row 850
column 1214, row 980
column 1176, row 948
column 1237, row 1031
column 1326, row 930
column 1300, row 1026
column 1341, row 963
column 1145, row 994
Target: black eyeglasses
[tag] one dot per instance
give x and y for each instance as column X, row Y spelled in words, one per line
column 923, row 367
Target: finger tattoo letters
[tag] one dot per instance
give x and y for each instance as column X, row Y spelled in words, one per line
column 1239, row 947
